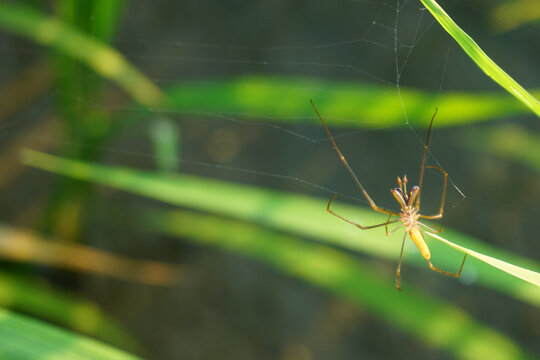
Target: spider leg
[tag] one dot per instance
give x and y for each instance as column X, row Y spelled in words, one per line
column 439, row 229
column 440, row 214
column 344, row 161
column 393, row 231
column 355, row 224
column 448, row 273
column 422, row 165
column 398, row 270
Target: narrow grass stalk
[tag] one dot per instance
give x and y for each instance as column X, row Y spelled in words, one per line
column 70, row 41
column 480, row 58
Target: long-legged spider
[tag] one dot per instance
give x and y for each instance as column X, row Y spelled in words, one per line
column 409, row 203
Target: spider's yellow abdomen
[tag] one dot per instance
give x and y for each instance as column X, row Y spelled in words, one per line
column 418, row 238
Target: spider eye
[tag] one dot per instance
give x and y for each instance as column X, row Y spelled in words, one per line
column 413, row 194
column 398, row 194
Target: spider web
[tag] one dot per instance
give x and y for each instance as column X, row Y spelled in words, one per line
column 394, row 44
column 384, row 21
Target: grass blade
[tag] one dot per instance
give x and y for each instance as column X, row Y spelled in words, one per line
column 40, row 300
column 292, row 213
column 346, row 276
column 480, row 57
column 286, row 99
column 525, row 274
column 70, row 41
column 27, row 247
column 25, row 338
column 109, row 13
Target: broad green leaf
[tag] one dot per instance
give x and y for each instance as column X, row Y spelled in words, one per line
column 480, row 57
column 70, row 41
column 37, row 299
column 286, row 99
column 437, row 323
column 26, row 338
column 301, row 215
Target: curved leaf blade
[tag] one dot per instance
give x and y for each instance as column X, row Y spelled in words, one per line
column 292, row 213
column 524, row 274
column 286, row 100
column 40, row 300
column 345, row 275
column 25, row 338
column 480, row 57
column 104, row 60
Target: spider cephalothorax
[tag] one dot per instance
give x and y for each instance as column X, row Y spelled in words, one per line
column 409, row 203
column 409, row 213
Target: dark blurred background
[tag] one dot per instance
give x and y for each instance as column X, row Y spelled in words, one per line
column 230, row 306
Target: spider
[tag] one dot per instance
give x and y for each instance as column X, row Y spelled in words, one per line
column 409, row 203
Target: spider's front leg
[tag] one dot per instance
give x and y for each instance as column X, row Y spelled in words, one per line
column 440, row 214
column 356, row 224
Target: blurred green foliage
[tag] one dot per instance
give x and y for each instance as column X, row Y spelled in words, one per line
column 38, row 299
column 512, row 14
column 297, row 214
column 270, row 226
column 72, row 42
column 285, row 99
column 434, row 321
column 25, row 338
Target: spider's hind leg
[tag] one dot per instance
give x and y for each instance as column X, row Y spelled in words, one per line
column 456, row 275
column 398, row 270
column 362, row 227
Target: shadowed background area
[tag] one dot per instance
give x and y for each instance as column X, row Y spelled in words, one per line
column 164, row 178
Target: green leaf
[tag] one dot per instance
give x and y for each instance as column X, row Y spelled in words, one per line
column 104, row 60
column 104, row 15
column 109, row 12
column 286, row 100
column 39, row 300
column 292, row 213
column 525, row 274
column 480, row 57
column 435, row 322
column 25, row 338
